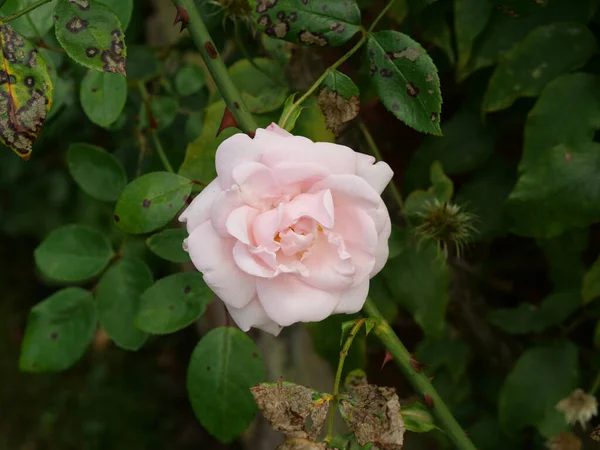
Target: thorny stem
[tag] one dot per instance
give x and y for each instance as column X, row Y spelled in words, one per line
column 151, row 125
column 417, row 380
column 24, row 11
column 377, row 154
column 317, row 83
column 338, row 376
column 216, row 67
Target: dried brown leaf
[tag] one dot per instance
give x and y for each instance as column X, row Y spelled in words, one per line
column 595, row 434
column 337, row 109
column 301, row 444
column 295, row 410
column 373, row 413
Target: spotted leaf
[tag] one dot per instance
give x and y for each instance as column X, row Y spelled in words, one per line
column 91, row 34
column 25, row 92
column 406, row 80
column 308, row 22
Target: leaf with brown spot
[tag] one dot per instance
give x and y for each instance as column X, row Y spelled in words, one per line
column 295, row 410
column 373, row 413
column 25, row 92
column 339, row 100
column 92, row 36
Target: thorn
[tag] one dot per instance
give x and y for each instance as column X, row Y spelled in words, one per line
column 428, row 401
column 430, row 379
column 227, row 121
column 183, row 17
column 388, row 357
column 418, row 365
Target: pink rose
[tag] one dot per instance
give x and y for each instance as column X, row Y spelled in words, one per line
column 290, row 230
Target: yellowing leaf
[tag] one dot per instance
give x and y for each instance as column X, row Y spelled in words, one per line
column 25, row 92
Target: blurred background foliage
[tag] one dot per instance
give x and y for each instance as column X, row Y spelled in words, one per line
column 507, row 330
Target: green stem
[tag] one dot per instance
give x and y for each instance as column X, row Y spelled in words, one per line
column 377, row 154
column 320, row 80
column 338, row 376
column 157, row 144
column 217, row 68
column 381, row 14
column 417, row 380
column 24, row 11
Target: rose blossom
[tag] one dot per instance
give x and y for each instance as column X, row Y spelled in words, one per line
column 290, row 230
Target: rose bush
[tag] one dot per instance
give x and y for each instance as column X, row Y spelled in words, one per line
column 290, row 230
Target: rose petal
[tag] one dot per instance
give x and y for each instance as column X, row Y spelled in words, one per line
column 349, row 190
column 356, row 227
column 213, row 256
column 239, row 224
column 199, row 210
column 318, row 206
column 292, row 242
column 249, row 263
column 288, row 300
column 382, row 252
column 353, row 299
column 278, row 130
column 225, row 203
column 256, row 181
column 265, row 228
column 232, row 152
column 253, row 315
column 300, row 175
column 377, row 175
column 327, row 270
column 335, row 158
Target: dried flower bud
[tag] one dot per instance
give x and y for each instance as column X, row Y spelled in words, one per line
column 564, row 441
column 578, row 407
column 446, row 224
column 235, row 10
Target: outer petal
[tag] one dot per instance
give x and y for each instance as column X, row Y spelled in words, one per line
column 239, row 224
column 199, row 209
column 256, row 181
column 335, row 158
column 236, row 150
column 213, row 256
column 327, row 269
column 356, row 227
column 377, row 175
column 225, row 203
column 249, row 263
column 278, row 130
column 253, row 315
column 349, row 190
column 299, row 175
column 288, row 300
column 382, row 252
column 353, row 299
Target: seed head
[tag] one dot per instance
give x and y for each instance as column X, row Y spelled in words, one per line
column 578, row 407
column 564, row 441
column 446, row 224
column 235, row 10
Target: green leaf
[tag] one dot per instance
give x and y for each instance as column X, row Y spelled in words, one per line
column 465, row 146
column 194, row 126
column 315, row 22
column 417, row 418
column 529, row 318
column 406, row 80
column 172, row 303
column 541, row 377
column 117, row 300
column 142, row 63
column 564, row 257
column 436, row 30
column 73, row 253
column 223, row 367
column 261, row 90
column 419, row 279
column 558, row 186
column 277, row 49
column 544, row 54
column 341, row 83
column 470, row 19
column 441, row 190
column 103, row 96
column 164, row 110
column 590, row 289
column 96, row 171
column 150, row 202
column 123, row 9
column 189, row 79
column 311, row 123
column 91, row 34
column 484, row 196
column 35, row 23
column 290, row 115
column 168, row 244
column 25, row 92
column 59, row 329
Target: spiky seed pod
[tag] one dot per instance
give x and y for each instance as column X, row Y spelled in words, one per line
column 235, row 10
column 447, row 225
